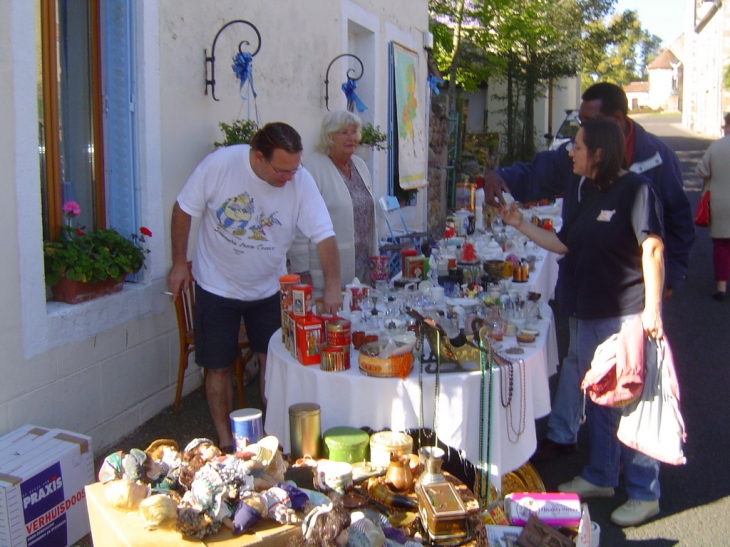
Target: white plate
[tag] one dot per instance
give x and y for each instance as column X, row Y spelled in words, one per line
column 548, row 209
column 463, row 302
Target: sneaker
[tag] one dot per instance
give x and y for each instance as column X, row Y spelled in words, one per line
column 719, row 296
column 585, row 489
column 635, row 512
column 549, row 450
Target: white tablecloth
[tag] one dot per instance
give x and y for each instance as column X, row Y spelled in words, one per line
column 350, row 398
column 542, row 280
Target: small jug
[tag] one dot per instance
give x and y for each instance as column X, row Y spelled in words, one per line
column 398, row 477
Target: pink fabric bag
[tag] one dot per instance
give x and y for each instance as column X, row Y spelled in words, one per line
column 616, row 376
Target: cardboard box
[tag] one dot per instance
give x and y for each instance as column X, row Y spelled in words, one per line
column 21, row 441
column 112, row 528
column 42, row 497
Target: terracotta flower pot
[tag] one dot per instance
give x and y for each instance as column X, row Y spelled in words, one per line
column 74, row 292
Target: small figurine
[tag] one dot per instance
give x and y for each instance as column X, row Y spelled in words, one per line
column 135, row 466
column 125, row 494
column 157, row 509
column 278, row 503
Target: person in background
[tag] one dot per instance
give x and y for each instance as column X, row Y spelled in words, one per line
column 714, row 168
column 251, row 200
column 614, row 245
column 551, row 173
column 344, row 181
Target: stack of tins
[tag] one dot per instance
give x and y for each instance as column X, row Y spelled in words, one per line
column 300, row 327
column 312, row 339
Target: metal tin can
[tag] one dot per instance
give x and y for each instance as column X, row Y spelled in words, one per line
column 301, row 300
column 335, row 359
column 338, row 333
column 304, row 429
column 286, row 282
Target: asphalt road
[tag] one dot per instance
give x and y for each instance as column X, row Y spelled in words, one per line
column 695, row 504
column 695, row 501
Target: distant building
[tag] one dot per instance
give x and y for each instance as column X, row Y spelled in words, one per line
column 638, row 94
column 664, row 80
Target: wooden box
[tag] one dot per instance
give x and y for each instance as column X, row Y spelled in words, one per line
column 443, row 514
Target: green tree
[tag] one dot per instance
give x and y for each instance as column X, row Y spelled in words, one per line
column 620, row 52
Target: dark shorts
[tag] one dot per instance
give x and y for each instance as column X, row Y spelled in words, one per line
column 217, row 320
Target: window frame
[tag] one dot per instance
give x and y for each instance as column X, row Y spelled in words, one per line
column 51, row 156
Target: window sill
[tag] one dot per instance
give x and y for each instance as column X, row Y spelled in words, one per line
column 74, row 322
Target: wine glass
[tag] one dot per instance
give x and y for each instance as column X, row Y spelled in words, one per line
column 367, row 305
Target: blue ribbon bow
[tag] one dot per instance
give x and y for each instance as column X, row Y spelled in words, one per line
column 433, row 83
column 352, row 98
column 243, row 69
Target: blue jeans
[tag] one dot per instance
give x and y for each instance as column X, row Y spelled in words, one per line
column 566, row 414
column 641, row 473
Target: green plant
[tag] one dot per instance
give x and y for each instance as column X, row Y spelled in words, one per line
column 239, row 132
column 372, row 137
column 92, row 256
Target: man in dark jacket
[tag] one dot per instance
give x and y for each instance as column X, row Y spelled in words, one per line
column 550, row 174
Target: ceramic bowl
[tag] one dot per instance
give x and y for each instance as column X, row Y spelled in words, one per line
column 523, row 338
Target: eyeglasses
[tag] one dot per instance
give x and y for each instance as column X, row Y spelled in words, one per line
column 345, row 133
column 284, row 172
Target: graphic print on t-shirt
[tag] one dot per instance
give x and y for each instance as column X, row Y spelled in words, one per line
column 257, row 230
column 234, row 214
column 239, row 214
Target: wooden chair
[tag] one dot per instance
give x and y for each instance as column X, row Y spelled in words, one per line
column 184, row 304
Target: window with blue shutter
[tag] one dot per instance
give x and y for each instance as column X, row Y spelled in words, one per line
column 118, row 91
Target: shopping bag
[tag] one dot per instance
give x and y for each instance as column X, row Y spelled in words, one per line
column 702, row 214
column 653, row 424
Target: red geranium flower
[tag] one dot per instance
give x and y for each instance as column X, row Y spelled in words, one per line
column 146, row 231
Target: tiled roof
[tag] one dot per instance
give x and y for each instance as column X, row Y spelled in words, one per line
column 663, row 61
column 637, row 87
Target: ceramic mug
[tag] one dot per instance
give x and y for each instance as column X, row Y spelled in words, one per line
column 334, row 476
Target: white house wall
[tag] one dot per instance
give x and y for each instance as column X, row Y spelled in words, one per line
column 704, row 99
column 106, row 366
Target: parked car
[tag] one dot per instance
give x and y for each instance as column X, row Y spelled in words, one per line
column 566, row 132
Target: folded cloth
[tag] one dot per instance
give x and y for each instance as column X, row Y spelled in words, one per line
column 616, row 376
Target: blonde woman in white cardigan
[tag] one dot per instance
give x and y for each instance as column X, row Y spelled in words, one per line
column 344, row 181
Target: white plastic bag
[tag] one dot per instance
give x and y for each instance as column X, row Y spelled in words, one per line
column 653, row 424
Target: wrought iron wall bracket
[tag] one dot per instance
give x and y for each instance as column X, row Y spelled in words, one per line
column 210, row 61
column 350, row 75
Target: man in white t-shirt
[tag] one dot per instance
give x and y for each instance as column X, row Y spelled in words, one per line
column 251, row 200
